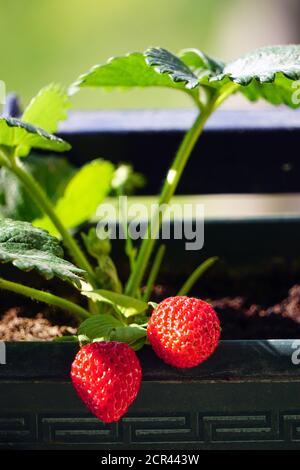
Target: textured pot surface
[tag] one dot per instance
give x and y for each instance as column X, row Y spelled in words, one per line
column 245, row 396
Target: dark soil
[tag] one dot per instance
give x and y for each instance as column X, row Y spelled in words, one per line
column 240, row 316
column 243, row 319
column 31, row 321
column 15, row 327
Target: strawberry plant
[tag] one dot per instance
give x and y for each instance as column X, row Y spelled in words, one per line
column 183, row 331
column 267, row 73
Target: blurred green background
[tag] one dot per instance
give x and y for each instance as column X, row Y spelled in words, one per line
column 57, row 40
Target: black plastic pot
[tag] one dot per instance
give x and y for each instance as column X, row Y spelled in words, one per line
column 245, row 396
column 248, row 394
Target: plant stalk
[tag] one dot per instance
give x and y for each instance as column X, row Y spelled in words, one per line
column 154, row 272
column 193, row 278
column 42, row 200
column 168, row 190
column 170, row 185
column 45, row 297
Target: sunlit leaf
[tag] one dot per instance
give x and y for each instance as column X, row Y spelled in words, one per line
column 263, row 64
column 129, row 71
column 267, row 73
column 23, row 136
column 126, row 305
column 83, row 194
column 48, row 108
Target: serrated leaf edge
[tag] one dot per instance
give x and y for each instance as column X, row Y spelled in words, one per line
column 75, row 87
column 161, row 71
column 54, row 87
column 31, row 129
column 245, row 82
column 73, row 277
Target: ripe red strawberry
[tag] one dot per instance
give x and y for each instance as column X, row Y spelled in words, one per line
column 184, row 331
column 107, row 377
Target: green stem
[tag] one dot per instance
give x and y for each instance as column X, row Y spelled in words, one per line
column 227, row 90
column 154, row 272
column 45, row 297
column 193, row 278
column 42, row 200
column 169, row 187
column 129, row 248
column 171, row 183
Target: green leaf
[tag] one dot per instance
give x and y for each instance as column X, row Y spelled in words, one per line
column 199, row 62
column 127, row 72
column 281, row 91
column 66, row 339
column 51, row 172
column 23, row 136
column 167, row 63
column 83, row 195
column 105, row 327
column 127, row 306
column 263, row 64
column 99, row 327
column 28, row 248
column 48, row 108
column 154, row 305
column 128, row 334
column 266, row 73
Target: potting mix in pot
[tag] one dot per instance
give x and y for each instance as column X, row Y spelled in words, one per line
column 44, row 200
